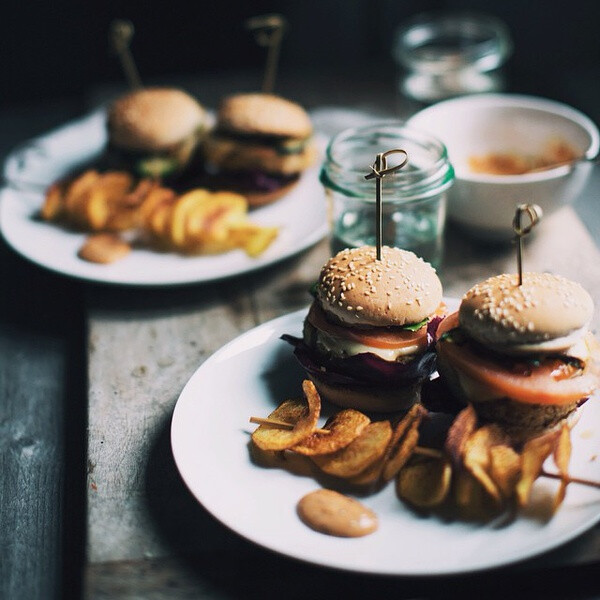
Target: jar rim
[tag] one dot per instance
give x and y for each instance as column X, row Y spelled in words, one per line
column 418, row 183
column 489, row 50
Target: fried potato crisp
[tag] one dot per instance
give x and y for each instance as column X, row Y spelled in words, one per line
column 196, row 222
column 504, row 469
column 424, row 482
column 366, row 449
column 535, row 452
column 562, row 457
column 458, row 434
column 476, row 458
column 471, row 499
column 404, row 440
column 344, row 427
column 303, row 414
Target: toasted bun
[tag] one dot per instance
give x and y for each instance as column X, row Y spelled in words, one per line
column 154, row 119
column 259, row 198
column 357, row 289
column 369, row 399
column 545, row 307
column 263, row 114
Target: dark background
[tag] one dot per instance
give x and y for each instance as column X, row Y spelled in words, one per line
column 59, row 49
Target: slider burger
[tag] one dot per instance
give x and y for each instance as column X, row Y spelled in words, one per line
column 521, row 355
column 368, row 336
column 154, row 132
column 260, row 145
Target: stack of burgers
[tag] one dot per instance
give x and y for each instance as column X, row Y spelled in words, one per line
column 522, row 355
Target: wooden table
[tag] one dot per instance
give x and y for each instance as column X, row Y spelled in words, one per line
column 108, row 499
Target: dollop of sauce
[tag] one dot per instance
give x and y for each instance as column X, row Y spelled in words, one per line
column 333, row 513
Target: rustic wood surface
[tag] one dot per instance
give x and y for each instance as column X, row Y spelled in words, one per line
column 169, row 547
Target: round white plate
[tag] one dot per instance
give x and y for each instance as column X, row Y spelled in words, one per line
column 255, row 372
column 301, row 215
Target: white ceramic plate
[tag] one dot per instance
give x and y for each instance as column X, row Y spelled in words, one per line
column 300, row 214
column 255, row 372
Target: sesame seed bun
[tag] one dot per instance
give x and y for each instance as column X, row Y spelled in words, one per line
column 357, row 289
column 263, row 114
column 154, row 119
column 499, row 312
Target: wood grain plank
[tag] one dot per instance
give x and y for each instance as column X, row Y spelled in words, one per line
column 40, row 322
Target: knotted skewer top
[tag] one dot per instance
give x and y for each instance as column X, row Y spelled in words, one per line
column 379, row 170
column 268, row 32
column 120, row 35
column 534, row 212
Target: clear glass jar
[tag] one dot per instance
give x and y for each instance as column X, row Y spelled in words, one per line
column 414, row 198
column 450, row 54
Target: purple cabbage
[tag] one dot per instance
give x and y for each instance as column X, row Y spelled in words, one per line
column 364, row 369
column 261, row 181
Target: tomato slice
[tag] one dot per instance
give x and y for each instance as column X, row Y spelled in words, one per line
column 376, row 337
column 548, row 383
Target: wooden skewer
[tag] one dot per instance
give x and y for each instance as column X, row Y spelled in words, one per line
column 569, row 479
column 282, row 424
column 432, row 452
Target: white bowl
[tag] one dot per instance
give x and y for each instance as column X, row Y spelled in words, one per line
column 496, row 123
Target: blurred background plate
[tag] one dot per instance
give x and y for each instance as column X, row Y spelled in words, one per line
column 301, row 215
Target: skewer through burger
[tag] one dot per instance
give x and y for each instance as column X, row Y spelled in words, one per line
column 522, row 355
column 367, row 340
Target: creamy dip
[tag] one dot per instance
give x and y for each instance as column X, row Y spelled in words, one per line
column 333, row 513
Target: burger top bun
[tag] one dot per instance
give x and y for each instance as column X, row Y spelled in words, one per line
column 263, row 114
column 545, row 307
column 154, row 119
column 357, row 289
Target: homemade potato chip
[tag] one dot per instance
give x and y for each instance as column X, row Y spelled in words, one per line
column 424, row 482
column 476, row 456
column 362, row 452
column 535, row 452
column 196, row 222
column 562, row 457
column 370, row 476
column 303, row 415
column 53, row 203
column 504, row 469
column 344, row 427
column 458, row 434
column 472, row 501
column 404, row 440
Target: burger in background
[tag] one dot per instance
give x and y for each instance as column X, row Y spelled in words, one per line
column 154, row 132
column 260, row 145
column 368, row 337
column 522, row 355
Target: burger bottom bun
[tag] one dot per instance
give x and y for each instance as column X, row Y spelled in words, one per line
column 258, row 198
column 233, row 155
column 520, row 420
column 383, row 399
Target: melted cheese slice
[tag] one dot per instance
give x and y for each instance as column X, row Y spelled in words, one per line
column 343, row 347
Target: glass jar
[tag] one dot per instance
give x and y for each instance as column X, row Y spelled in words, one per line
column 450, row 54
column 414, row 198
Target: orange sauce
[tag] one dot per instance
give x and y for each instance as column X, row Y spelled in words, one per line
column 554, row 154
